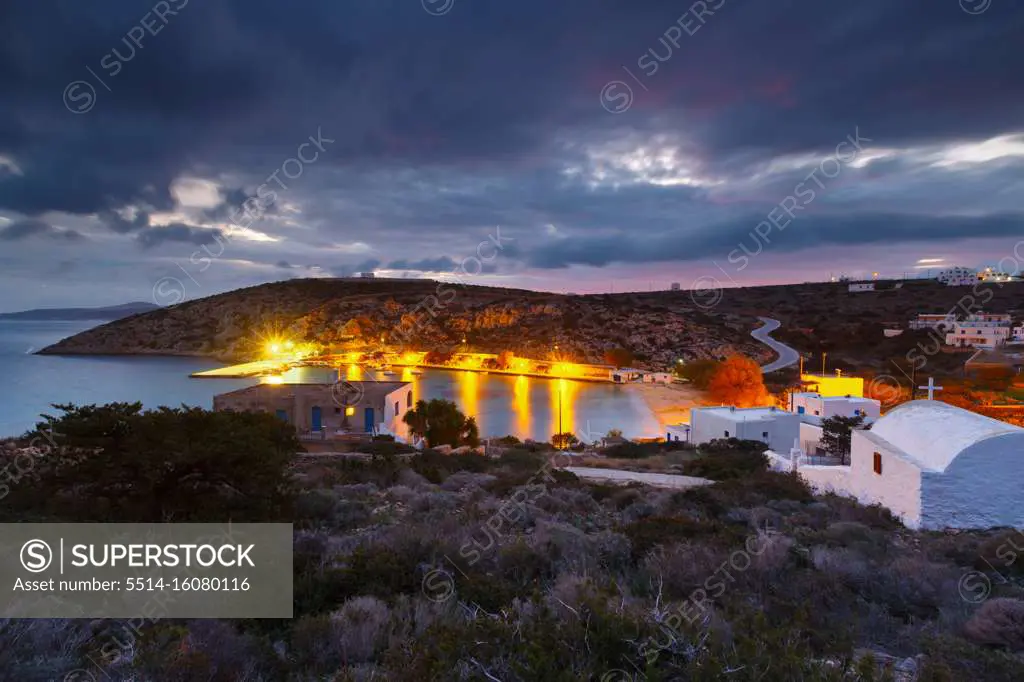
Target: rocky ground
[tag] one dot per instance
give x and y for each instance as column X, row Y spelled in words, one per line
column 424, row 315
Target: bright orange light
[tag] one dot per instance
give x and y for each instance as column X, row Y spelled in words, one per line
column 563, row 400
column 521, row 405
column 350, row 411
column 274, row 380
column 567, row 369
column 469, row 389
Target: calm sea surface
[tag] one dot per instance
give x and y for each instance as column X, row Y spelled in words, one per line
column 525, row 407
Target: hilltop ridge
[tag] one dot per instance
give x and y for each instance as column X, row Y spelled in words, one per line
column 427, row 315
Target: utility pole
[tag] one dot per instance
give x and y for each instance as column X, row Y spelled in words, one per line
column 824, row 356
column 559, row 409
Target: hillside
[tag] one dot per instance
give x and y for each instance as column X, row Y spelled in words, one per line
column 424, row 315
column 114, row 312
column 413, row 566
column 849, row 325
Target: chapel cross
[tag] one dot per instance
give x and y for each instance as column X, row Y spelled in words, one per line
column 931, row 388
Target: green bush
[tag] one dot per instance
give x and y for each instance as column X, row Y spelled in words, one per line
column 730, row 464
column 652, row 531
column 630, row 450
column 118, row 463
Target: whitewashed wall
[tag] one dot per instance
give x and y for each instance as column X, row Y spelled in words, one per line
column 982, row 488
column 899, row 485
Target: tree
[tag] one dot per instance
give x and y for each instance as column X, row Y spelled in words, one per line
column 738, row 381
column 441, row 423
column 438, row 357
column 118, row 463
column 564, row 441
column 699, row 372
column 619, row 357
column 505, row 359
column 837, row 432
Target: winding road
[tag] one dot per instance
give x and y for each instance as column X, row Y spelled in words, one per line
column 787, row 356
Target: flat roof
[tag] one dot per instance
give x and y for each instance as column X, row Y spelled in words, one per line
column 371, row 389
column 851, row 398
column 744, row 413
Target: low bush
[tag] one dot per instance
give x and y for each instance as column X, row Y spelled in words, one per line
column 999, row 622
column 650, row 532
column 630, row 450
column 386, row 448
column 722, row 466
column 1003, row 552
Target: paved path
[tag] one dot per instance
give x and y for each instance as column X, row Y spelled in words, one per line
column 787, row 356
column 619, row 476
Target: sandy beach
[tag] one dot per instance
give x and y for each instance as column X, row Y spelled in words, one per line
column 670, row 403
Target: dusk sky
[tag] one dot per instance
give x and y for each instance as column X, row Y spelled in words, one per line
column 612, row 144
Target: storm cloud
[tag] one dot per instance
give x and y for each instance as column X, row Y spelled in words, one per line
column 597, row 135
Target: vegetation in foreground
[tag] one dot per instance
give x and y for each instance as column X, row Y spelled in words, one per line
column 463, row 567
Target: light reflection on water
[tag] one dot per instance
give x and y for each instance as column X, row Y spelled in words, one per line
column 526, row 407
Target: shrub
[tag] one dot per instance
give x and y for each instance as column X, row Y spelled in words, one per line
column 951, row 659
column 999, row 622
column 1004, row 551
column 680, row 568
column 464, row 479
column 722, row 466
column 652, row 531
column 382, row 572
column 762, row 487
column 630, row 450
column 202, row 649
column 386, row 448
column 237, row 463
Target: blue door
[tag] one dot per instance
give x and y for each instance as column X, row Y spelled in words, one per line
column 317, row 419
column 282, row 415
column 368, row 420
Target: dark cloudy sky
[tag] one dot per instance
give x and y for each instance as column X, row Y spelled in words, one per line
column 614, row 143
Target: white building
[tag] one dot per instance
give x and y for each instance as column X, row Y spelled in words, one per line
column 813, row 407
column 677, row 433
column 990, row 275
column 929, row 321
column 817, row 405
column 932, row 464
column 862, row 286
column 982, row 330
column 778, row 428
column 958, row 276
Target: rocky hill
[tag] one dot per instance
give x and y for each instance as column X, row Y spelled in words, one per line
column 426, row 315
